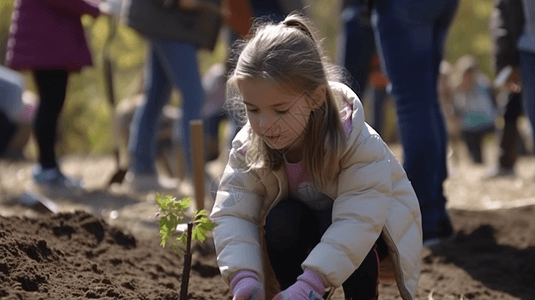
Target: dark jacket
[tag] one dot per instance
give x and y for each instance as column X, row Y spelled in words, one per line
column 506, row 22
column 152, row 20
column 48, row 34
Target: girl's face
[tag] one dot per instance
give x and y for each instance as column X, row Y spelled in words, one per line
column 279, row 116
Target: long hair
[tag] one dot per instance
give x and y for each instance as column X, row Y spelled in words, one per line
column 288, row 55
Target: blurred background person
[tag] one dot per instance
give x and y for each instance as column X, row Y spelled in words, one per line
column 475, row 104
column 526, row 52
column 47, row 39
column 356, row 52
column 410, row 37
column 512, row 28
column 214, row 79
column 505, row 25
column 174, row 34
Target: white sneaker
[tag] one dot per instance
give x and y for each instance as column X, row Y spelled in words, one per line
column 149, row 182
column 52, row 181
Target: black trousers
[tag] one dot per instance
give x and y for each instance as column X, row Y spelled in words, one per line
column 292, row 230
column 52, row 87
column 510, row 142
column 7, row 130
column 474, row 142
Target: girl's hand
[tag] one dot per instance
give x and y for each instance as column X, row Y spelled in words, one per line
column 309, row 286
column 246, row 285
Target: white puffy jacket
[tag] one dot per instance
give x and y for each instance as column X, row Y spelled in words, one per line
column 371, row 197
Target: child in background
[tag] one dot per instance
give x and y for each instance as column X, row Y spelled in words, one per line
column 474, row 103
column 311, row 198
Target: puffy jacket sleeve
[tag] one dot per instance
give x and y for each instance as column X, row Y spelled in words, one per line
column 76, row 7
column 236, row 212
column 361, row 206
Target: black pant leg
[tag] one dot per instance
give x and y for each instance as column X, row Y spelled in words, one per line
column 363, row 283
column 509, row 139
column 473, row 143
column 7, row 130
column 287, row 239
column 52, row 87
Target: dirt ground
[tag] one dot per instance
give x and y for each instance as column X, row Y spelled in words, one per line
column 104, row 244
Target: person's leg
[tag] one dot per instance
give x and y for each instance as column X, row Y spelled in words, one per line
column 179, row 61
column 52, row 87
column 527, row 71
column 146, row 118
column 472, row 140
column 440, row 32
column 379, row 98
column 410, row 38
column 509, row 138
column 355, row 48
column 287, row 239
column 7, row 131
column 363, row 283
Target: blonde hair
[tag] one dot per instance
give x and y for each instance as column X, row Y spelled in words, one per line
column 288, row 55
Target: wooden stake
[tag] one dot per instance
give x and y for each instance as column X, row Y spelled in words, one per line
column 197, row 158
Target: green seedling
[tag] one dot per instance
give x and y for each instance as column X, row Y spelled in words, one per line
column 172, row 213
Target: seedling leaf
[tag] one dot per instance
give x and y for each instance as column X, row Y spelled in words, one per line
column 172, row 213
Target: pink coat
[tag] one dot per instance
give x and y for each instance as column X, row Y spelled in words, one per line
column 48, row 34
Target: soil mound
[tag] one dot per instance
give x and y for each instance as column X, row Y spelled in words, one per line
column 78, row 256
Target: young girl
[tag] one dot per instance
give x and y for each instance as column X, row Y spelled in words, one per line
column 311, row 197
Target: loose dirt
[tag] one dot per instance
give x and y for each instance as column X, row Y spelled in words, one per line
column 104, row 243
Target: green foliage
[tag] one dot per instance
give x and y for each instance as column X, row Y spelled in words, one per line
column 203, row 225
column 172, row 213
column 470, row 34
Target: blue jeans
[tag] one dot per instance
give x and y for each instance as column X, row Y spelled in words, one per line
column 355, row 47
column 171, row 64
column 270, row 9
column 527, row 71
column 11, row 89
column 410, row 36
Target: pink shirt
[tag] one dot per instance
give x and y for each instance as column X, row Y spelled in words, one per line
column 300, row 185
